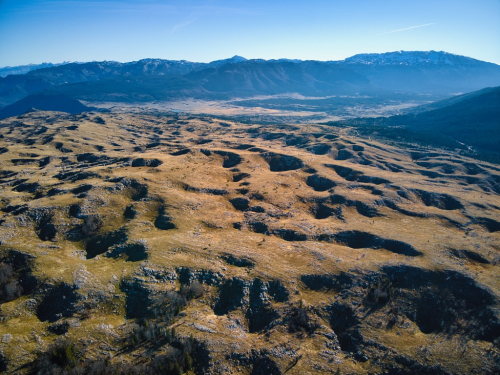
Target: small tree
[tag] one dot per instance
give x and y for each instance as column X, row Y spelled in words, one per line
column 91, row 225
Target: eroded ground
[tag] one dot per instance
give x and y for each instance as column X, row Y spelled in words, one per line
column 165, row 243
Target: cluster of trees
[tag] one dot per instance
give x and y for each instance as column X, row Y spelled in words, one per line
column 67, row 357
column 152, row 333
column 10, row 288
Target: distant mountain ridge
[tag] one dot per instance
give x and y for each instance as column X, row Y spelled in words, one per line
column 435, row 73
column 22, row 69
column 410, row 58
column 233, row 60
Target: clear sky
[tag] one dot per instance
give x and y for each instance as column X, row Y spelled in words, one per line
column 35, row 31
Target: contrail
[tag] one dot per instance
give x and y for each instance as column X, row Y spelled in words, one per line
column 408, row 28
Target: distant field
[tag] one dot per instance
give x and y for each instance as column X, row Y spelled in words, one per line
column 280, row 108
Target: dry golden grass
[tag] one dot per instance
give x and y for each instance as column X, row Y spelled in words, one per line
column 435, row 205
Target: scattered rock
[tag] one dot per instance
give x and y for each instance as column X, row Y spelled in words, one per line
column 6, row 338
column 490, row 224
column 259, row 313
column 181, row 152
column 231, row 296
column 101, row 243
column 141, row 162
column 289, row 234
column 319, row 183
column 240, row 203
column 359, row 240
column 59, row 301
column 133, row 252
column 470, row 255
column 59, row 328
column 230, row 159
column 240, row 176
column 281, row 163
column 137, row 300
column 163, row 220
column 439, row 200
column 130, row 212
column 238, row 262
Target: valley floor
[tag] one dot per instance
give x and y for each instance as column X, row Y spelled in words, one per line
column 291, row 108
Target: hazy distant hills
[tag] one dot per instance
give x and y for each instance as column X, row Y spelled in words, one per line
column 413, row 58
column 468, row 121
column 44, row 102
column 15, row 87
column 425, row 72
column 434, row 73
column 456, row 100
column 474, row 120
column 22, row 69
column 272, row 77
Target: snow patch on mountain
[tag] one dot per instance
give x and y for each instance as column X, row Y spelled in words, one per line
column 409, row 58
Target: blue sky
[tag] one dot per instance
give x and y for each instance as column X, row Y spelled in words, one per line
column 35, row 31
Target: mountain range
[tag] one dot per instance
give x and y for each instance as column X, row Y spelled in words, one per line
column 422, row 73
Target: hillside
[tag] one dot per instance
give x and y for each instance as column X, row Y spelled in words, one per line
column 456, row 99
column 470, row 121
column 474, row 120
column 44, row 102
column 168, row 243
